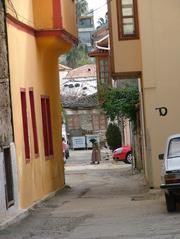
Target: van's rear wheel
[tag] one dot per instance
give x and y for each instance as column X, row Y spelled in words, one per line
column 170, row 202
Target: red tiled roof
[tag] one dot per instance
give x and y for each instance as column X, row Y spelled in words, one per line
column 98, row 52
column 89, row 101
column 85, row 71
column 63, row 67
column 100, row 33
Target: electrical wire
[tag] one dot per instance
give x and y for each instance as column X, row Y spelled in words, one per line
column 20, row 16
column 96, row 9
column 12, row 8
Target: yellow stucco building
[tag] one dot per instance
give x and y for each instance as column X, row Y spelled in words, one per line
column 38, row 33
column 144, row 46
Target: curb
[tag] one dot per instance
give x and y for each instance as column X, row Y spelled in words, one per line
column 23, row 213
column 14, row 219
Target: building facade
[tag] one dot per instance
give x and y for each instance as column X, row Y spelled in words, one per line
column 35, row 41
column 101, row 52
column 81, row 81
column 8, row 168
column 144, row 46
column 101, row 48
column 85, row 29
column 84, row 117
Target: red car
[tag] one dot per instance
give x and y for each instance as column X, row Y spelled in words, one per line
column 123, row 154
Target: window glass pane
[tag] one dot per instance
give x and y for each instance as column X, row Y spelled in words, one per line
column 106, row 68
column 127, row 11
column 102, row 81
column 101, row 62
column 85, row 23
column 128, row 21
column 174, row 148
column 127, row 2
column 128, row 18
column 103, row 71
column 106, row 75
column 85, row 37
column 106, row 63
column 128, row 29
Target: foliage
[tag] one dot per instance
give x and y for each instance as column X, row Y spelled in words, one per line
column 102, row 21
column 113, row 136
column 121, row 102
column 102, row 91
column 78, row 56
column 81, row 8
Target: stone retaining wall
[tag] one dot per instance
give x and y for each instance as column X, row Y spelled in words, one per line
column 5, row 106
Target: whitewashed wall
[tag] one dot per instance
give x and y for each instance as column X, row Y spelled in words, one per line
column 2, row 188
column 15, row 208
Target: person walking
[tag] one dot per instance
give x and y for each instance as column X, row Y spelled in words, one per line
column 65, row 148
column 96, row 155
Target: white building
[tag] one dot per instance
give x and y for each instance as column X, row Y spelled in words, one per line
column 79, row 82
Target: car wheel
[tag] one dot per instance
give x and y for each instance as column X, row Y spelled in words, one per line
column 128, row 159
column 170, row 202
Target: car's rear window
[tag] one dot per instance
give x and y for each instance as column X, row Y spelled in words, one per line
column 174, row 148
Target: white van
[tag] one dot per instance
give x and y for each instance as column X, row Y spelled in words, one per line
column 170, row 175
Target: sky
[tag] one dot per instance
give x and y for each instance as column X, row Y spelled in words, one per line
column 95, row 4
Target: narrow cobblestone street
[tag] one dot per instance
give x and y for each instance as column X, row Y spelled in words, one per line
column 99, row 202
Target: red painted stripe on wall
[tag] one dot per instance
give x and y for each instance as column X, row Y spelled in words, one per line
column 34, row 125
column 25, row 124
column 43, row 32
column 20, row 25
column 57, row 16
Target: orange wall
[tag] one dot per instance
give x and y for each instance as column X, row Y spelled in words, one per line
column 40, row 14
column 68, row 9
column 32, row 66
column 22, row 10
column 159, row 23
column 126, row 54
column 43, row 14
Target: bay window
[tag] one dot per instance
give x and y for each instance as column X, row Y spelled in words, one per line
column 127, row 19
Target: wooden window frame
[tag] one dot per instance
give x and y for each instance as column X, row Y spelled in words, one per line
column 106, row 79
column 34, row 125
column 121, row 34
column 25, row 124
column 47, row 129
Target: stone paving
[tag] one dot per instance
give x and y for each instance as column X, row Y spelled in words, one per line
column 99, row 202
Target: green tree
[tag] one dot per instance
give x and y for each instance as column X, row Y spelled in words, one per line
column 113, row 136
column 121, row 102
column 102, row 21
column 78, row 56
column 81, row 8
